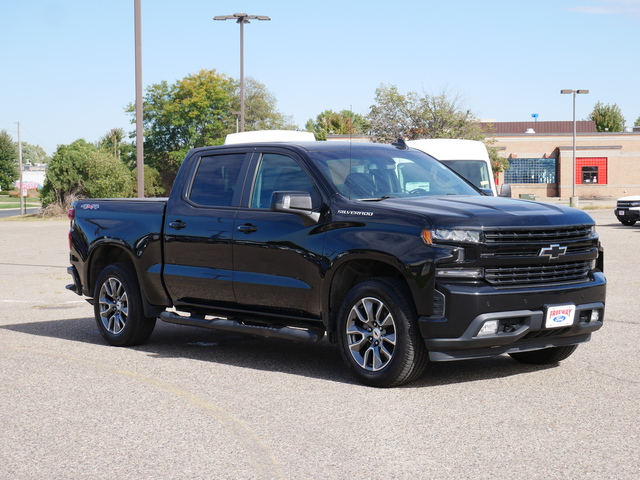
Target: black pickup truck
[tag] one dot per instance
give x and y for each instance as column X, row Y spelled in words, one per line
column 382, row 248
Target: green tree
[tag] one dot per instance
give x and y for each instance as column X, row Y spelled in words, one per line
column 198, row 111
column 413, row 116
column 637, row 124
column 345, row 122
column 260, row 108
column 193, row 112
column 390, row 116
column 608, row 118
column 8, row 160
column 81, row 170
column 442, row 116
column 34, row 154
column 114, row 142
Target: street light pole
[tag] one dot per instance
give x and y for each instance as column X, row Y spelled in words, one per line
column 573, row 201
column 241, row 18
column 137, row 12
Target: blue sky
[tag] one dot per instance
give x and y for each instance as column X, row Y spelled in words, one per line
column 68, row 65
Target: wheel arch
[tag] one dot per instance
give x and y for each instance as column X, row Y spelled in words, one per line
column 350, row 271
column 103, row 255
column 107, row 254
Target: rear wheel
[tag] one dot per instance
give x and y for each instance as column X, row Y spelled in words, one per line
column 118, row 307
column 628, row 223
column 545, row 356
column 378, row 334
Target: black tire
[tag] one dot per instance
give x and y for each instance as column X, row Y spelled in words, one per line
column 545, row 356
column 378, row 334
column 118, row 307
column 628, row 223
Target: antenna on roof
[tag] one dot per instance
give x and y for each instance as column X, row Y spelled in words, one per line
column 400, row 144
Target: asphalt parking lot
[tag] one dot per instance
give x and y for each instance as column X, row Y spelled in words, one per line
column 198, row 404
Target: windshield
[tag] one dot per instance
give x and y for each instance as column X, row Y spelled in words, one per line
column 476, row 171
column 373, row 173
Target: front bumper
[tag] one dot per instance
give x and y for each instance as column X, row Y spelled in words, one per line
column 628, row 214
column 520, row 314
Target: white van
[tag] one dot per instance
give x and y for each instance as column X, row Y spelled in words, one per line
column 468, row 158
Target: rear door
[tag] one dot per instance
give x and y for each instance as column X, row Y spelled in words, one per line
column 199, row 230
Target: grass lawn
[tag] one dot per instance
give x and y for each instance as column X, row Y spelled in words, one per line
column 12, row 202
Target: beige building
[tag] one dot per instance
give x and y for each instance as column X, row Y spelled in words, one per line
column 541, row 160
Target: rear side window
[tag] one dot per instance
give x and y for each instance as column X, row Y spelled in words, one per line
column 216, row 180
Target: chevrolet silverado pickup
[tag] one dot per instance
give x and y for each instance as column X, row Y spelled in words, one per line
column 628, row 210
column 383, row 249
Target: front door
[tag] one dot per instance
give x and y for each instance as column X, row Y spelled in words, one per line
column 277, row 259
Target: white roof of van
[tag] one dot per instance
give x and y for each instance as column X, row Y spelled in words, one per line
column 451, row 149
column 269, row 136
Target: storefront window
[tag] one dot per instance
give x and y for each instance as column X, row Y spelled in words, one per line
column 531, row 170
column 592, row 170
column 589, row 174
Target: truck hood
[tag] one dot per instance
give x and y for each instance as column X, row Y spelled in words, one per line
column 486, row 211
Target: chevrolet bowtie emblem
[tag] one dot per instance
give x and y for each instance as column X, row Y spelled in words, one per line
column 553, row 251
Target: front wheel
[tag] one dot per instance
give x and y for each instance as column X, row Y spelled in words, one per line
column 378, row 334
column 118, row 307
column 545, row 356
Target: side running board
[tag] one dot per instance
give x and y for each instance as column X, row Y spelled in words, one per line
column 230, row 325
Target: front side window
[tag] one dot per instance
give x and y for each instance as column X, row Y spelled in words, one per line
column 371, row 173
column 277, row 173
column 216, row 180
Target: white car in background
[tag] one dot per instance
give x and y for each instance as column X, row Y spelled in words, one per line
column 628, row 210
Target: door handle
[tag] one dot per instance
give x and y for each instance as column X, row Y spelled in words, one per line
column 247, row 228
column 178, row 224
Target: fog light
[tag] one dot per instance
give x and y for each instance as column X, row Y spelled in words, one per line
column 595, row 315
column 490, row 327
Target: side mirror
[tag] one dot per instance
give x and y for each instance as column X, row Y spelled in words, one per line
column 505, row 190
column 296, row 202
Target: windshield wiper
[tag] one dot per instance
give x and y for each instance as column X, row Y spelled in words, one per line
column 384, row 197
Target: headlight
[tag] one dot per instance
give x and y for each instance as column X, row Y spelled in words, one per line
column 459, row 272
column 453, row 236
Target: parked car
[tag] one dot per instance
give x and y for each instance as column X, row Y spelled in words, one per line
column 628, row 210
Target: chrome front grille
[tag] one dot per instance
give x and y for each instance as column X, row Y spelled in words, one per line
column 626, row 204
column 534, row 250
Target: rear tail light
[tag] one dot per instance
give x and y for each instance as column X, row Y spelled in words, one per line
column 71, row 214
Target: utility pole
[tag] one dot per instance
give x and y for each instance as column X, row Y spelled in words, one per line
column 139, row 112
column 22, row 206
